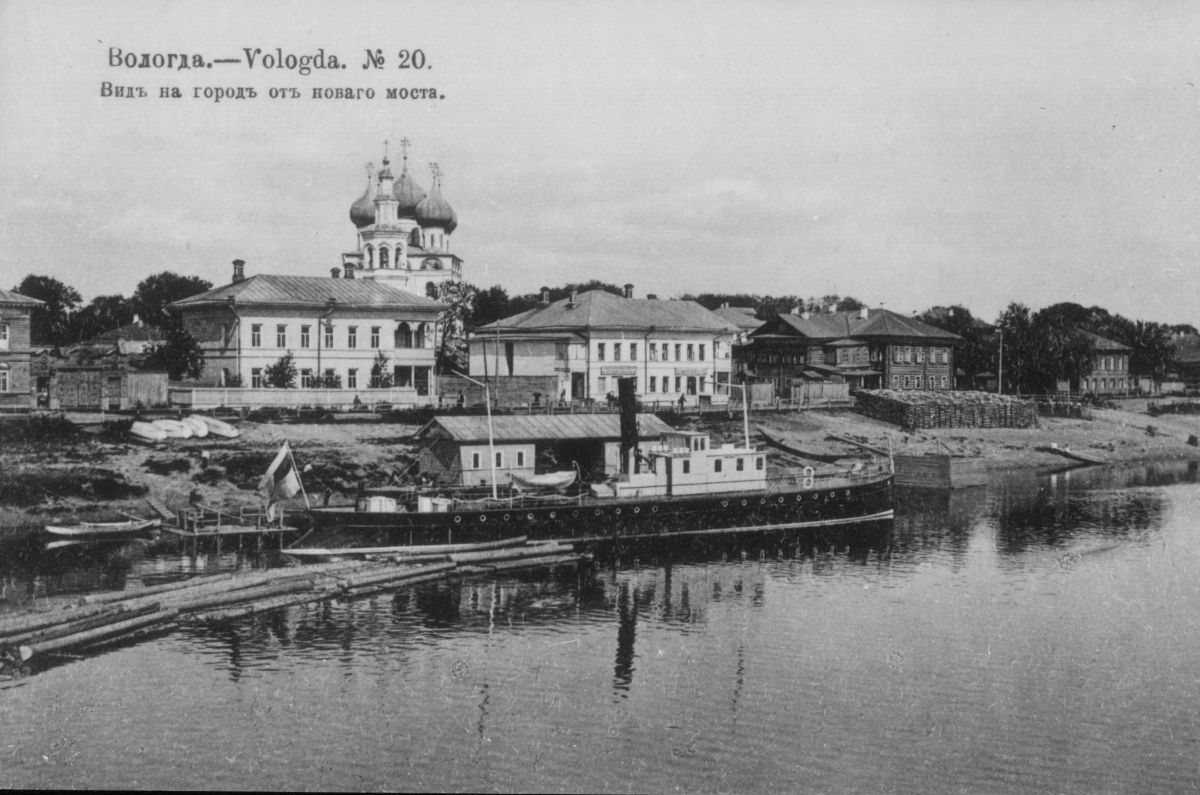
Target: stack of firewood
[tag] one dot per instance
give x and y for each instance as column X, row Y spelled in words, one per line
column 915, row 409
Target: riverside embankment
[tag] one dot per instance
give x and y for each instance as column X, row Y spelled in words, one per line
column 63, row 470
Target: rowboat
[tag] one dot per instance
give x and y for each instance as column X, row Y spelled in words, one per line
column 197, row 425
column 104, row 529
column 219, row 427
column 786, row 446
column 550, row 480
column 174, row 429
column 147, row 432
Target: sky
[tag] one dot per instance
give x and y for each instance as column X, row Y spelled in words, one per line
column 909, row 154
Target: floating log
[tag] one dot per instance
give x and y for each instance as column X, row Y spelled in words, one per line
column 13, row 626
column 523, row 552
column 77, row 626
column 359, row 580
column 83, row 638
column 429, row 549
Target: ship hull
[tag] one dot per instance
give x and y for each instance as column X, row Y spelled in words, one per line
column 595, row 521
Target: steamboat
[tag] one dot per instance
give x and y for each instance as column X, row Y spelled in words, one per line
column 681, row 485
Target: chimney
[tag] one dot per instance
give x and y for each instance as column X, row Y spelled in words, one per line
column 573, row 300
column 798, row 310
column 724, row 304
column 545, row 296
column 629, row 291
column 239, row 270
column 651, row 296
column 335, row 272
column 863, row 313
column 349, row 270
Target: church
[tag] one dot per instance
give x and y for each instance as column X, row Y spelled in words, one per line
column 371, row 324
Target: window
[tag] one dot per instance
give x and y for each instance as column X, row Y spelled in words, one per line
column 895, row 382
column 653, row 383
column 306, row 380
column 352, row 378
column 654, row 351
column 352, row 337
column 701, row 351
column 716, row 465
column 916, row 382
column 475, row 459
column 687, row 466
column 600, row 351
column 328, row 335
column 666, row 355
column 4, row 387
column 691, row 352
column 908, row 382
column 305, row 333
column 702, row 384
column 633, row 351
column 678, row 383
column 678, row 350
column 758, row 462
column 3, row 336
column 616, row 351
column 403, row 338
column 256, row 335
column 601, row 383
column 281, row 336
column 330, row 376
column 374, row 336
column 499, row 459
column 520, row 458
column 741, row 464
column 256, row 381
column 920, row 355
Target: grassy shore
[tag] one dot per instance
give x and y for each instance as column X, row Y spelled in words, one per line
column 74, row 472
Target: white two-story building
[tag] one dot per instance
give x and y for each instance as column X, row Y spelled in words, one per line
column 671, row 349
column 336, row 329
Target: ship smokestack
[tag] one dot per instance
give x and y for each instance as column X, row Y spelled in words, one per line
column 627, row 400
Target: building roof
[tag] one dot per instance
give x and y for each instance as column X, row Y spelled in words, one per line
column 879, row 323
column 538, row 427
column 9, row 298
column 600, row 309
column 309, row 291
column 741, row 316
column 1103, row 344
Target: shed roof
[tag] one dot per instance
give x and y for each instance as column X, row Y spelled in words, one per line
column 9, row 298
column 1099, row 343
column 538, row 427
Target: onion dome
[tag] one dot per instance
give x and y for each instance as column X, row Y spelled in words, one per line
column 408, row 194
column 362, row 212
column 433, row 210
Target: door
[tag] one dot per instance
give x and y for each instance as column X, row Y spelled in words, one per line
column 577, row 386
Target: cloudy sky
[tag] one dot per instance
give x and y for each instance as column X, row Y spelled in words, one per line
column 907, row 153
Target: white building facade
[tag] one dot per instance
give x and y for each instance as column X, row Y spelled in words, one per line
column 671, row 349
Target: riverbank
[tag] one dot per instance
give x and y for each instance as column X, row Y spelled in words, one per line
column 72, row 472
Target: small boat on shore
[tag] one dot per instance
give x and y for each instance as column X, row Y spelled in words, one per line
column 147, row 432
column 789, row 447
column 197, row 425
column 174, row 429
column 218, row 427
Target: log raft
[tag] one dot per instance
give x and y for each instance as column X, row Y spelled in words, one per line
column 107, row 618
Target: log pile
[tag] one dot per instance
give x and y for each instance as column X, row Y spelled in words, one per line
column 912, row 410
column 114, row 617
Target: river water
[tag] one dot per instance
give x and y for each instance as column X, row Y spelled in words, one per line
column 1039, row 634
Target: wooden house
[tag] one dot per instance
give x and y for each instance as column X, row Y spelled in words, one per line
column 16, row 353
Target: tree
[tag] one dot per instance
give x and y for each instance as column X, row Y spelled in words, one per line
column 976, row 352
column 1015, row 368
column 180, row 355
column 456, row 324
column 330, row 381
column 49, row 323
column 282, row 374
column 154, row 293
column 381, row 372
column 104, row 313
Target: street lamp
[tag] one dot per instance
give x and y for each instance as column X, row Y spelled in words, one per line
column 487, row 398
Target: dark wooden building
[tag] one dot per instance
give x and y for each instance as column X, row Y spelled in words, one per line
column 867, row 348
column 16, row 352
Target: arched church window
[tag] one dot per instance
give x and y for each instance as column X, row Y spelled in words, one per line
column 370, row 256
column 383, row 257
column 419, row 340
column 414, row 237
column 404, row 336
column 431, row 290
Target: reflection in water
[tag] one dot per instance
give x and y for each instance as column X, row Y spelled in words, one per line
column 954, row 649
